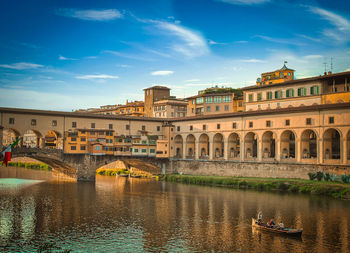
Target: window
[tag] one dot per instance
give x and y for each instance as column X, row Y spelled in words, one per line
column 54, row 123
column 287, row 122
column 158, row 128
column 331, row 120
column 191, row 128
column 204, row 127
column 92, row 125
column 33, row 122
column 269, row 95
column 127, row 127
column 82, row 147
column 240, row 104
column 136, row 150
column 192, row 110
column 143, row 150
column 308, row 121
column 73, row 139
column 73, row 147
column 289, row 93
column 193, row 101
column 226, row 107
column 178, row 128
column 226, row 99
column 110, row 126
column 259, row 96
column 268, row 123
column 97, row 147
column 199, row 100
column 152, row 151
column 74, row 124
column 208, row 108
column 234, row 125
column 278, row 105
column 217, row 99
column 208, row 100
column 217, row 108
column 217, row 126
column 250, row 97
column 278, row 94
column 250, row 124
column 11, row 120
column 259, row 107
column 143, row 128
column 314, row 90
column 301, row 92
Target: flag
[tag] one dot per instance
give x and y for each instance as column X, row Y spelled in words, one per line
column 7, row 152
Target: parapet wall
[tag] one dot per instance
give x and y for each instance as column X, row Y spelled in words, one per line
column 237, row 169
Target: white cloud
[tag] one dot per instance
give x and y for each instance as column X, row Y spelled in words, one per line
column 241, row 41
column 162, row 73
column 92, row 15
column 279, row 40
column 128, row 56
column 193, row 80
column 97, row 77
column 245, row 2
column 211, row 42
column 252, row 61
column 191, row 44
column 21, row 66
column 62, row 58
column 313, row 56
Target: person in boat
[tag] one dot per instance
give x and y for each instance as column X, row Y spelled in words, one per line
column 259, row 217
column 271, row 223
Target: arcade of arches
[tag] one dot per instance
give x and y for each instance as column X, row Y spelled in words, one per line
column 286, row 146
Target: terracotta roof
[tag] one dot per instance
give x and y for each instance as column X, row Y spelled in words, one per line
column 158, row 88
column 298, row 81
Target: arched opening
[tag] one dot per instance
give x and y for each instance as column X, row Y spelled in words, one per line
column 53, row 139
column 287, row 145
column 308, row 144
column 32, row 139
column 204, row 146
column 178, row 146
column 251, row 145
column 268, row 145
column 218, row 145
column 331, row 144
column 190, row 146
column 234, row 146
column 9, row 136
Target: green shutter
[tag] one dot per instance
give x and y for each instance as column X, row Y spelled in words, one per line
column 311, row 90
column 299, row 92
column 304, row 92
column 317, row 90
column 292, row 92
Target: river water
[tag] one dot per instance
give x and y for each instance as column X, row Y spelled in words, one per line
column 139, row 215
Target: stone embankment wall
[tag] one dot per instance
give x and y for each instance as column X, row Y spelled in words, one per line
column 236, row 169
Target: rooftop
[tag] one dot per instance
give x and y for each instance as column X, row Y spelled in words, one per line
column 157, row 87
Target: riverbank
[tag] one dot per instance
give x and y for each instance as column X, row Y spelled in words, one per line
column 29, row 165
column 332, row 189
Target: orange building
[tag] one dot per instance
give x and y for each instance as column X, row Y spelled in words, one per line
column 277, row 76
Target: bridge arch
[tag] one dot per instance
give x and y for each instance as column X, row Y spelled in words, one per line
column 9, row 135
column 32, row 139
column 233, row 146
column 287, row 149
column 308, row 144
column 178, row 146
column 190, row 146
column 268, row 144
column 204, row 146
column 53, row 139
column 251, row 145
column 332, row 144
column 218, row 145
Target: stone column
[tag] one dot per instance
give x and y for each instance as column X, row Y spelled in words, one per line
column 184, row 147
column 241, row 150
column 344, row 150
column 278, row 149
column 259, row 150
column 320, row 151
column 226, row 151
column 297, row 150
column 196, row 149
column 41, row 142
column 211, row 150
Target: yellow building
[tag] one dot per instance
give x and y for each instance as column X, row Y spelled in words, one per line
column 135, row 108
column 277, row 76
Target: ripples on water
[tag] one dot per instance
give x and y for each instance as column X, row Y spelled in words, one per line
column 135, row 215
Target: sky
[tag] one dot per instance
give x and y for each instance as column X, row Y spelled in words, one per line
column 66, row 55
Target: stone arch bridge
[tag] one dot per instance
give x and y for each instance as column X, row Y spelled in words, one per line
column 82, row 167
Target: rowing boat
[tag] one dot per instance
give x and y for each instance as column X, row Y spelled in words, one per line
column 277, row 229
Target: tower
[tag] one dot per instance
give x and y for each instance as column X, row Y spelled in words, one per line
column 153, row 94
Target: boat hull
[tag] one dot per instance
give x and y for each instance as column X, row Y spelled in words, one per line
column 277, row 230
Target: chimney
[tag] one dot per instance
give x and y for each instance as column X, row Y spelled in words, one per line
column 325, row 73
column 329, row 72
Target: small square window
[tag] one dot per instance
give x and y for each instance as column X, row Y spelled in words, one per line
column 158, row 128
column 74, row 124
column 11, row 121
column 218, row 126
column 110, row 126
column 143, row 128
column 217, row 108
column 308, row 121
column 234, row 125
column 226, row 107
column 250, row 124
column 92, row 125
column 54, row 123
column 172, row 129
column 191, row 128
column 331, row 120
column 33, row 122
column 178, row 128
column 204, row 127
column 287, row 122
column 82, row 147
column 73, row 147
column 268, row 123
column 127, row 127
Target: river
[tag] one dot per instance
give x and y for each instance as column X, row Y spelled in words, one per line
column 38, row 212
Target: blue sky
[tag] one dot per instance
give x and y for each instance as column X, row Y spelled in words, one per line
column 64, row 55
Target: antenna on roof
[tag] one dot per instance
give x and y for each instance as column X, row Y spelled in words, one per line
column 332, row 64
column 285, row 62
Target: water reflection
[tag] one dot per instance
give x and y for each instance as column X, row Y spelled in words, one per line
column 128, row 215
